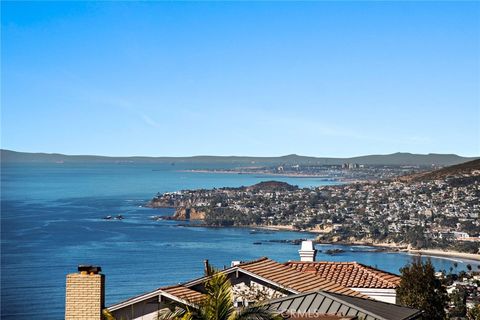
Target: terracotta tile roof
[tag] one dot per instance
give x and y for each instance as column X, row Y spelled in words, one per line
column 183, row 293
column 293, row 279
column 348, row 274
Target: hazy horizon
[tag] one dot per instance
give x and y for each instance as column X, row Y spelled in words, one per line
column 239, row 155
column 334, row 79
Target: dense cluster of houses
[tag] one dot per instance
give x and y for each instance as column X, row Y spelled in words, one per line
column 463, row 290
column 345, row 172
column 387, row 210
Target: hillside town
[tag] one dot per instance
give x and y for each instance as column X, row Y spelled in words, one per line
column 420, row 213
column 348, row 171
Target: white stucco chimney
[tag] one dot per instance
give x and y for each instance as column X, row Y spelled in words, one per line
column 307, row 251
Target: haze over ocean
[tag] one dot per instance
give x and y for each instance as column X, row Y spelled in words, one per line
column 52, row 221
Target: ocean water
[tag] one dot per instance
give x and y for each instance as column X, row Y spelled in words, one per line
column 51, row 221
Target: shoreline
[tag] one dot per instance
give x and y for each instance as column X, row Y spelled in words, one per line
column 388, row 246
column 444, row 254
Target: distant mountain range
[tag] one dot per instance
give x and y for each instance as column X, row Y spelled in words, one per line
column 9, row 156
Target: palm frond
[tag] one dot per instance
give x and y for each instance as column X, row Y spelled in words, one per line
column 256, row 312
column 175, row 312
column 218, row 304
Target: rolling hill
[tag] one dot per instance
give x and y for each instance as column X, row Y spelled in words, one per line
column 9, row 156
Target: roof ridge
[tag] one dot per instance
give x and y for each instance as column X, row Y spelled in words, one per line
column 253, row 261
column 147, row 293
column 172, row 286
column 319, row 262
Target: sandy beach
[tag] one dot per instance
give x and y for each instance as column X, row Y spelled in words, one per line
column 291, row 228
column 274, row 228
column 441, row 253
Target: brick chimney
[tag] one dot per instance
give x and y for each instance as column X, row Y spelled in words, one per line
column 85, row 294
column 307, row 251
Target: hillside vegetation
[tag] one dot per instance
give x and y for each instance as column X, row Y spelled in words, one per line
column 465, row 168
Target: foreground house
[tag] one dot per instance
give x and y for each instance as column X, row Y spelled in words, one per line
column 351, row 287
column 260, row 279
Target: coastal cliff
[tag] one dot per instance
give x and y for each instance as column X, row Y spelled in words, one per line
column 183, row 209
column 184, row 213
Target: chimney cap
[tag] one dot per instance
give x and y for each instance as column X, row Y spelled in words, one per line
column 89, row 268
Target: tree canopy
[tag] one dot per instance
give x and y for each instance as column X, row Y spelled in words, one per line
column 420, row 289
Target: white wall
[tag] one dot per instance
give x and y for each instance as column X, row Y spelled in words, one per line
column 385, row 295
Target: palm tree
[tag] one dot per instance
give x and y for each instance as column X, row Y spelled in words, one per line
column 218, row 305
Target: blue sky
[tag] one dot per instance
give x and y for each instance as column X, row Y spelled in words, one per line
column 246, row 78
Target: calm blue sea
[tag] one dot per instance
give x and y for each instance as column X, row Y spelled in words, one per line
column 51, row 221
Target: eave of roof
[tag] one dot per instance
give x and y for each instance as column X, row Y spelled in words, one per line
column 176, row 293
